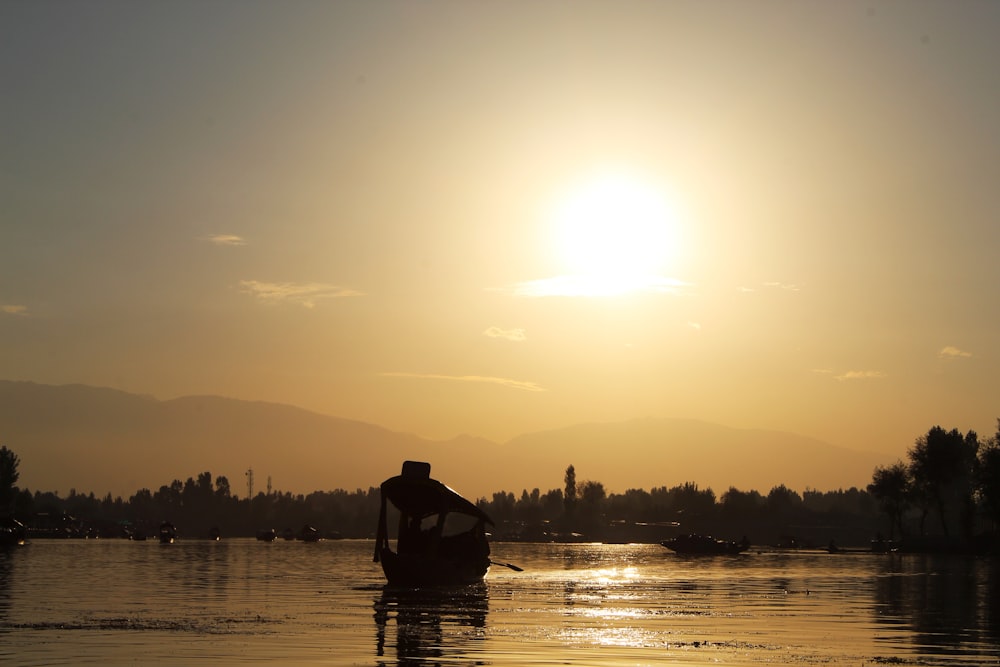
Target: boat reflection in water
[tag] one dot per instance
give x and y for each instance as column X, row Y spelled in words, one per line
column 431, row 623
column 441, row 536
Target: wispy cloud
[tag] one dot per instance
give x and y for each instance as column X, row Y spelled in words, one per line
column 13, row 309
column 788, row 287
column 952, row 352
column 695, row 325
column 594, row 286
column 505, row 382
column 303, row 294
column 861, row 375
column 516, row 335
column 225, row 239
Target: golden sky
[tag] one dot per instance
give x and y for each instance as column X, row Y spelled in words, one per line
column 494, row 218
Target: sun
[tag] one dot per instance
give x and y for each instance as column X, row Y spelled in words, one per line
column 614, row 232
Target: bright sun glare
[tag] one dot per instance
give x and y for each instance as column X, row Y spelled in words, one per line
column 614, row 233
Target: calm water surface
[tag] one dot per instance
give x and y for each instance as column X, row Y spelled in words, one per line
column 114, row 602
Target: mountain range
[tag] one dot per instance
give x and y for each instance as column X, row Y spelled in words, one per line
column 102, row 440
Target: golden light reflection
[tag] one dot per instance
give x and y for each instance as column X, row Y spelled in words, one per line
column 612, row 575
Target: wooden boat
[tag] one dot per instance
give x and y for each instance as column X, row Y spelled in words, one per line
column 167, row 533
column 309, row 533
column 691, row 544
column 441, row 536
column 12, row 532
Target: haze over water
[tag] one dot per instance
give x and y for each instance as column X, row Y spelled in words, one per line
column 118, row 602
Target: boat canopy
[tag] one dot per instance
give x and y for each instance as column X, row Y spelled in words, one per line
column 420, row 496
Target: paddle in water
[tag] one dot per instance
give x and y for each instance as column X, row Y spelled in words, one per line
column 510, row 565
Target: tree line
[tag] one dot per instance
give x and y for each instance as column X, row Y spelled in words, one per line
column 952, row 477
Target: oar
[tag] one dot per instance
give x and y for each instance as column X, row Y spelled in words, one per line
column 510, row 565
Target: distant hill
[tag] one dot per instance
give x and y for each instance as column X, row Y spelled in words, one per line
column 104, row 440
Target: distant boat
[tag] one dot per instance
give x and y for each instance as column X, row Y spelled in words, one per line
column 441, row 538
column 12, row 532
column 214, row 533
column 309, row 534
column 691, row 544
column 168, row 533
column 266, row 535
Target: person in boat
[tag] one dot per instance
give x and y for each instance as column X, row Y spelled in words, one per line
column 440, row 537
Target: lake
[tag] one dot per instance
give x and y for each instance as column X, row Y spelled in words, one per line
column 115, row 602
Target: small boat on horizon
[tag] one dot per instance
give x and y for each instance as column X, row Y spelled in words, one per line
column 12, row 532
column 309, row 533
column 691, row 544
column 441, row 536
column 168, row 533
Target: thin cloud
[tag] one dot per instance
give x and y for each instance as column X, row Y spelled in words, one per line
column 516, row 335
column 861, row 375
column 788, row 287
column 695, row 325
column 225, row 239
column 306, row 295
column 952, row 352
column 594, row 286
column 13, row 309
column 504, row 382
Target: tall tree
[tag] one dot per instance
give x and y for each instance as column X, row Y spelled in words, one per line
column 988, row 482
column 942, row 466
column 9, row 475
column 891, row 487
column 569, row 495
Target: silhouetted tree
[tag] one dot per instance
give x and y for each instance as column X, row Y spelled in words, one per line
column 528, row 509
column 740, row 506
column 552, row 504
column 9, row 475
column 569, row 495
column 692, row 501
column 891, row 488
column 222, row 490
column 503, row 506
column 988, row 482
column 942, row 467
column 632, row 505
column 783, row 501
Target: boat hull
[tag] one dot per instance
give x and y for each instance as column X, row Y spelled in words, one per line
column 416, row 570
column 704, row 545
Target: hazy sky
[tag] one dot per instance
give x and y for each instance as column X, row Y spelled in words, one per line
column 493, row 218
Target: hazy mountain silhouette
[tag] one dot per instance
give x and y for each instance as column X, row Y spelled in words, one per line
column 104, row 440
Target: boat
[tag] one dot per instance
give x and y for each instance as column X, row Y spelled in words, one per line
column 441, row 536
column 691, row 544
column 266, row 535
column 167, row 533
column 12, row 532
column 309, row 533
